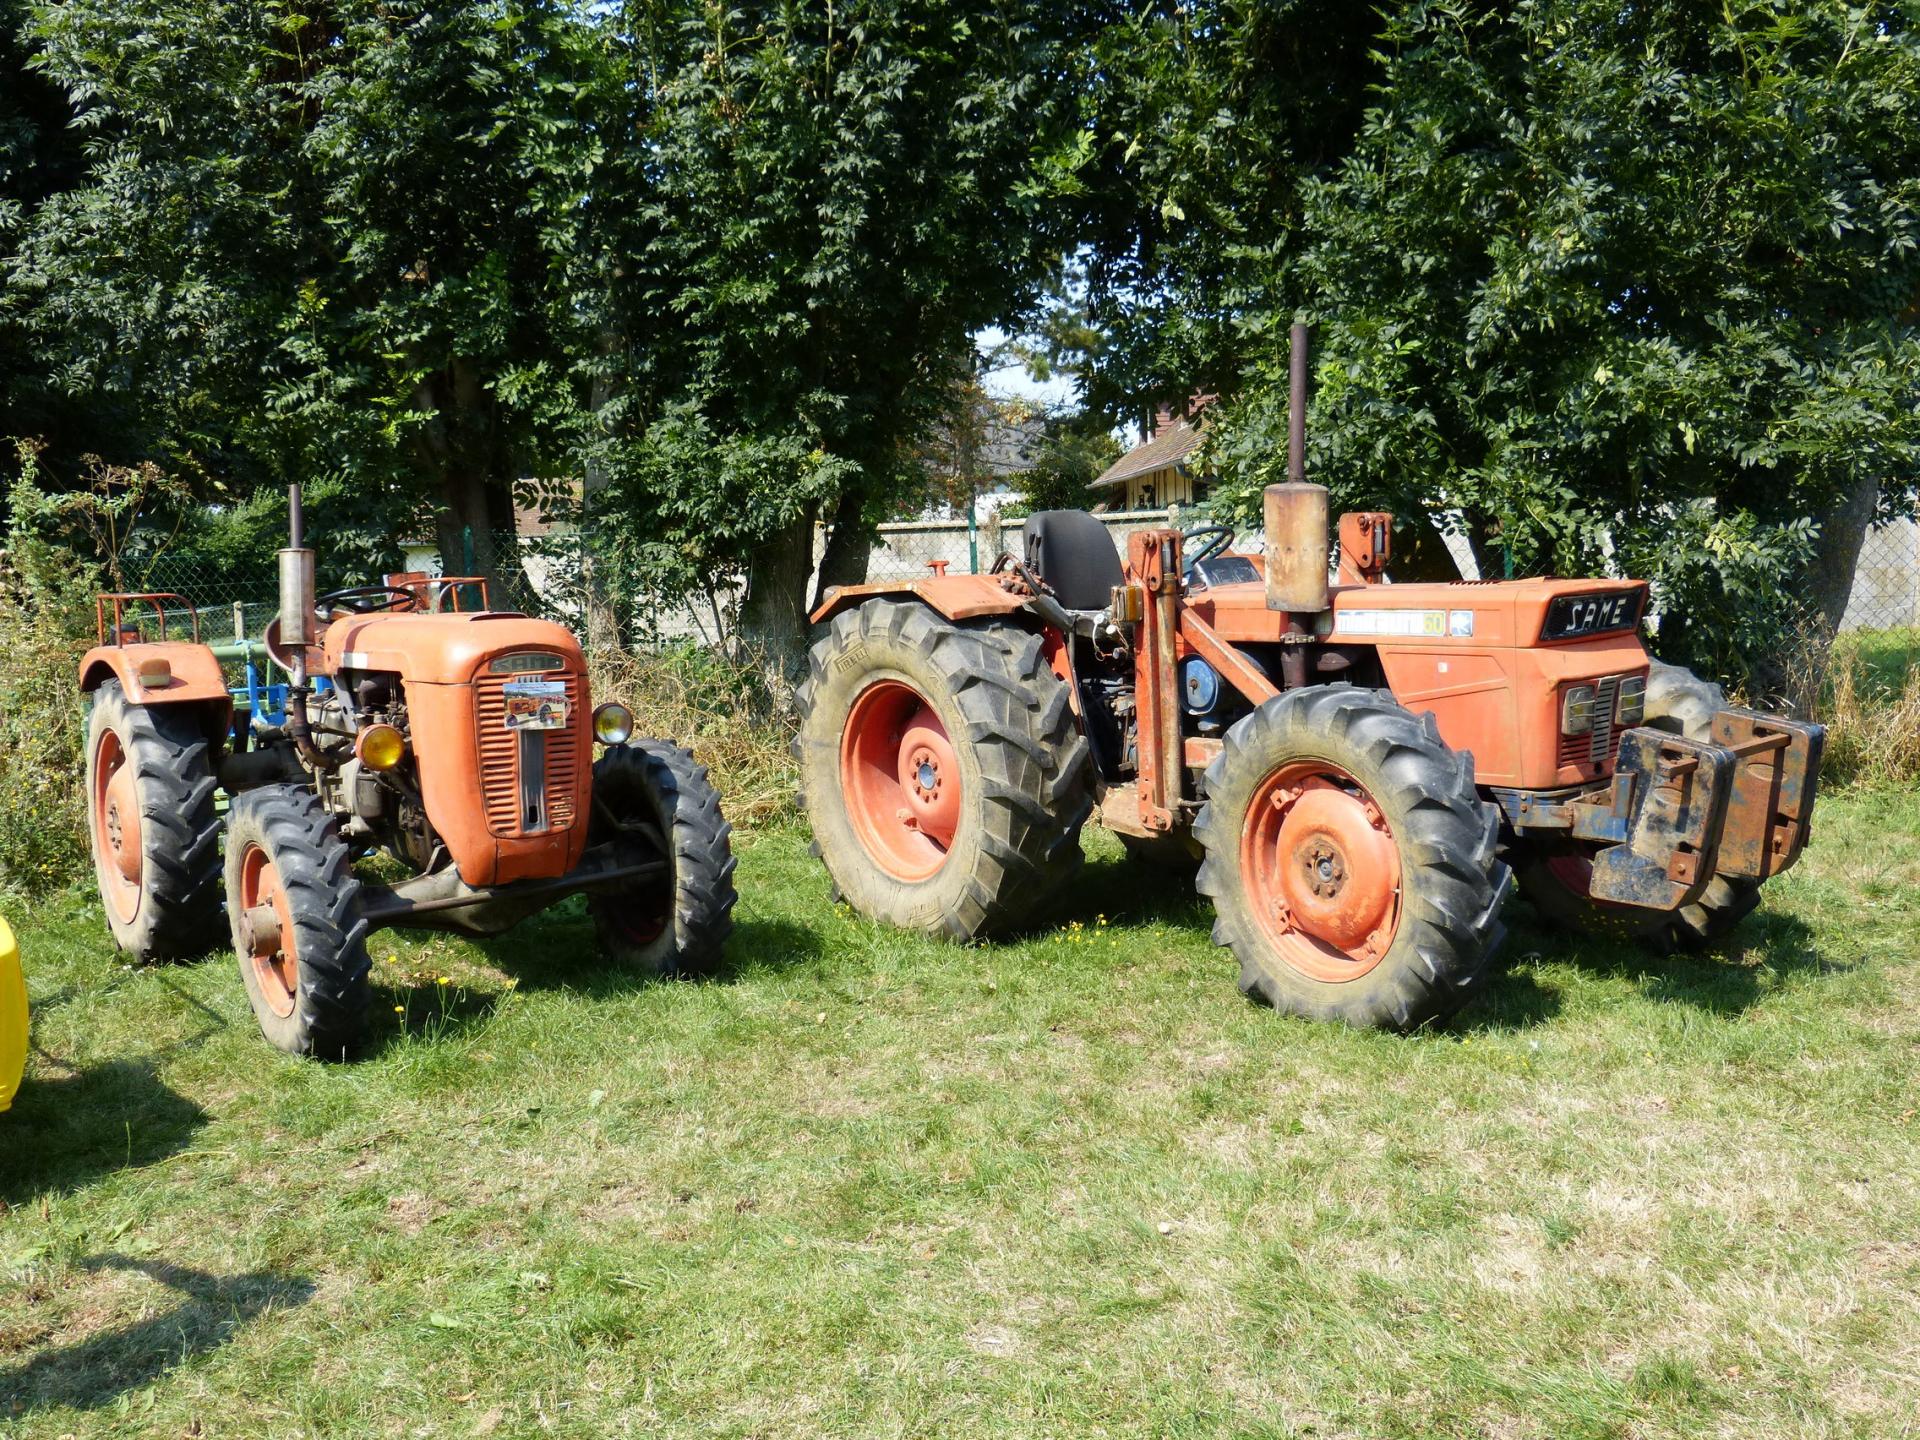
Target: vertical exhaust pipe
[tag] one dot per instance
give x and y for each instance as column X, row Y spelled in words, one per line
column 297, row 624
column 1296, row 512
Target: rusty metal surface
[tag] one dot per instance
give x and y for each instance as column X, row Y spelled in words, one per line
column 1366, row 543
column 1296, row 561
column 957, row 597
column 1771, row 805
column 1666, row 807
column 1153, row 563
column 1242, row 673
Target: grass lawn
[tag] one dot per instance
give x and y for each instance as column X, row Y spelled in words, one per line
column 864, row 1185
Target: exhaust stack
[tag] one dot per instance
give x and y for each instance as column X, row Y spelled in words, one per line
column 297, row 627
column 296, row 577
column 1296, row 512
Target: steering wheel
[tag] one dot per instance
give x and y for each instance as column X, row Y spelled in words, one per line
column 368, row 599
column 1214, row 540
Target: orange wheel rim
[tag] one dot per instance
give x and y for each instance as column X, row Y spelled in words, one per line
column 116, row 828
column 267, row 935
column 1323, row 871
column 900, row 778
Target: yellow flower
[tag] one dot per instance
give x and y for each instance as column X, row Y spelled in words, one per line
column 443, row 980
column 399, row 1009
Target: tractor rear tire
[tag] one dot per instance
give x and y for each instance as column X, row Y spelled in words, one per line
column 941, row 769
column 1353, row 867
column 1553, row 875
column 676, row 926
column 305, row 964
column 151, row 823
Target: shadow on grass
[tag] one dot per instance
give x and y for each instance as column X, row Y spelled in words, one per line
column 101, row 1368
column 558, row 951
column 65, row 1131
column 1781, row 947
column 1716, row 979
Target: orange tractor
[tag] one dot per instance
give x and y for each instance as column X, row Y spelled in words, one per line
column 1354, row 766
column 459, row 741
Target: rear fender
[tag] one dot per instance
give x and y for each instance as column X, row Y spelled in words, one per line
column 954, row 597
column 192, row 676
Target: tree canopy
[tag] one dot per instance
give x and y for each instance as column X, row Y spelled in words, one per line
column 1596, row 285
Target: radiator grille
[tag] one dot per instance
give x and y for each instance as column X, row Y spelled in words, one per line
column 501, row 751
column 1598, row 748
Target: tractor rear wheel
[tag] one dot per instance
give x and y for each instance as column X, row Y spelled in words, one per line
column 1353, row 866
column 151, row 823
column 678, row 923
column 293, row 905
column 941, row 769
column 1555, row 874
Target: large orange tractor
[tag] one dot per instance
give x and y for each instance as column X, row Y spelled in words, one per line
column 460, row 741
column 1354, row 765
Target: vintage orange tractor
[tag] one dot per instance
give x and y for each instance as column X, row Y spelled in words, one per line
column 458, row 740
column 1353, row 765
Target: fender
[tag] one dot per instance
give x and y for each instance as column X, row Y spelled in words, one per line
column 954, row 597
column 193, row 675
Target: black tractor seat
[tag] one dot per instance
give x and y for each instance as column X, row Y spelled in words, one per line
column 1075, row 555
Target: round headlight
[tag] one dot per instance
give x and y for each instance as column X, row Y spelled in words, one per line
column 380, row 747
column 612, row 723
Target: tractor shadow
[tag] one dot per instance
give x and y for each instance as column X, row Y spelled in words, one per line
column 557, row 951
column 66, row 1130
column 1727, row 979
column 98, row 1370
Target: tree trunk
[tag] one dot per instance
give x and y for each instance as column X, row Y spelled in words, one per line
column 1837, row 554
column 849, row 547
column 773, row 616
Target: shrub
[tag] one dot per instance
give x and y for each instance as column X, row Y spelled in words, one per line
column 722, row 708
column 46, row 610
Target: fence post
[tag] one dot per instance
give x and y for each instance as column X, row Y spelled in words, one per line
column 239, row 622
column 973, row 533
column 466, row 550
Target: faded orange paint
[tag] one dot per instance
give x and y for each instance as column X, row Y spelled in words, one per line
column 196, row 677
column 957, row 597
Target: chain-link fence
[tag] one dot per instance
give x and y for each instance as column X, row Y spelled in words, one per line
column 549, row 574
column 1886, row 582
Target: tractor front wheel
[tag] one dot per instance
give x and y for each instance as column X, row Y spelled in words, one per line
column 677, row 923
column 293, row 905
column 941, row 769
column 1352, row 864
column 151, row 823
column 1555, row 874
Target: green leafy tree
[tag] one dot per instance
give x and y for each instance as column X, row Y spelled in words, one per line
column 1602, row 286
column 817, row 208
column 312, row 243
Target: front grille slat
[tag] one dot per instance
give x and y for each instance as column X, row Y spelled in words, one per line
column 500, row 760
column 1601, row 746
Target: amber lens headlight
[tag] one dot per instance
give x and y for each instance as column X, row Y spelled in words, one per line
column 1633, row 700
column 1576, row 711
column 380, row 747
column 612, row 724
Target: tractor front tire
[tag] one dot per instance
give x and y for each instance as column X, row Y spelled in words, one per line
column 941, row 769
column 1353, row 867
column 151, row 823
column 1554, row 874
column 293, row 906
column 676, row 925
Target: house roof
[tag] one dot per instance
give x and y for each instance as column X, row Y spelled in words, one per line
column 1168, row 447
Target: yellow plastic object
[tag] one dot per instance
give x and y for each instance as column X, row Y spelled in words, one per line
column 13, row 1017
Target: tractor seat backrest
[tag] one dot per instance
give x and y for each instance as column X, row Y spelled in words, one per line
column 1074, row 554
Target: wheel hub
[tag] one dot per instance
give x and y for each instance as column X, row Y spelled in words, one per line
column 266, row 932
column 900, row 777
column 1322, row 872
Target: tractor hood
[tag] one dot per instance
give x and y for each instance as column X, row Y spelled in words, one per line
column 445, row 649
